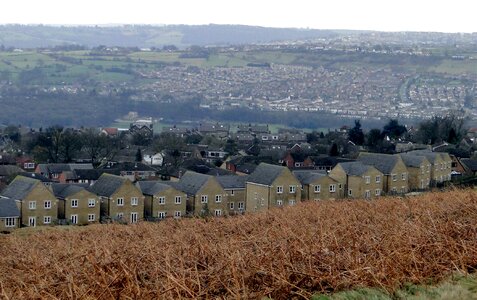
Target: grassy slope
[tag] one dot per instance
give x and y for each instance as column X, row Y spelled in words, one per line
column 293, row 252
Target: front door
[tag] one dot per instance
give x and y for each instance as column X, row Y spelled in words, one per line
column 74, row 219
column 32, row 221
column 133, row 217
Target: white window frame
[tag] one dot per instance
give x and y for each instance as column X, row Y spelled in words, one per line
column 134, row 201
column 177, row 199
column 232, row 192
column 291, row 202
column 161, row 215
column 241, row 205
column 403, row 176
column 377, row 192
column 47, row 204
column 367, row 194
column 134, row 217
column 75, row 217
column 91, row 217
column 231, row 205
column 218, row 198
column 332, row 188
column 350, row 192
column 46, row 219
column 177, row 214
column 32, row 205
column 91, row 202
column 120, row 216
column 162, row 200
column 204, row 198
column 279, row 202
column 74, row 203
column 120, row 202
column 292, row 189
column 367, row 179
column 279, row 189
column 378, row 179
column 10, row 222
column 317, row 188
column 217, row 212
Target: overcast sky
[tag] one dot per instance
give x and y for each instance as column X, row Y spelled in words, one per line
column 386, row 15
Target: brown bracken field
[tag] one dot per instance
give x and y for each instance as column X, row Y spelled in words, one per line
column 285, row 253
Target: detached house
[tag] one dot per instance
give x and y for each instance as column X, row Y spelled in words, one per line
column 162, row 200
column 358, row 180
column 120, row 199
column 318, row 185
column 37, row 204
column 234, row 186
column 9, row 215
column 271, row 186
column 393, row 168
column 76, row 205
column 205, row 195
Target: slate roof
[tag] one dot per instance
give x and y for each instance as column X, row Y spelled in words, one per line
column 431, row 156
column 107, row 184
column 7, row 170
column 354, row 168
column 192, row 182
column 131, row 166
column 414, row 161
column 36, row 176
column 19, row 188
column 308, row 176
column 383, row 162
column 232, row 181
column 8, row 208
column 59, row 168
column 152, row 187
column 64, row 190
column 90, row 174
column 470, row 164
column 265, row 174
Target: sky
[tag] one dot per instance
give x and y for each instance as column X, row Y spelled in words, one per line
column 382, row 15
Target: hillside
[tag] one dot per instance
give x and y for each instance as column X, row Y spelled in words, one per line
column 294, row 252
column 34, row 36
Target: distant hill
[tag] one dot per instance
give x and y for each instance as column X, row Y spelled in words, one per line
column 34, row 36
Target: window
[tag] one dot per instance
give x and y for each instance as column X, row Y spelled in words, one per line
column 279, row 202
column 367, row 194
column 350, row 192
column 120, row 201
column 74, row 202
column 422, row 169
column 317, row 188
column 177, row 214
column 54, row 175
column 203, row 199
column 161, row 215
column 394, row 177
column 47, row 204
column 377, row 192
column 403, row 176
column 378, row 178
column 162, row 200
column 74, row 219
column 134, row 201
column 232, row 192
column 231, row 205
column 119, row 216
column 218, row 198
column 218, row 212
column 403, row 189
column 32, row 204
column 46, row 220
column 241, row 206
column 332, row 188
column 292, row 189
column 10, row 222
column 279, row 189
column 91, row 202
column 367, row 179
column 29, row 165
column 291, row 202
column 178, row 200
column 91, row 217
column 134, row 217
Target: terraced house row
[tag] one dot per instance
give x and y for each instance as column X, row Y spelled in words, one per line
column 27, row 201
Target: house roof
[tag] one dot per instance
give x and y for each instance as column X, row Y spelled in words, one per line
column 7, row 170
column 107, row 185
column 232, row 181
column 354, row 168
column 383, row 162
column 413, row 160
column 36, row 176
column 431, row 156
column 192, row 182
column 308, row 176
column 131, row 166
column 152, row 187
column 471, row 164
column 265, row 174
column 20, row 187
column 59, row 168
column 8, row 208
column 64, row 190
